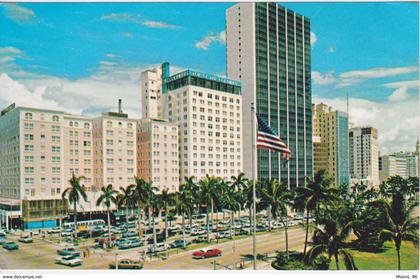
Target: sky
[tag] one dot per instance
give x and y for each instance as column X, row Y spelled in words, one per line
column 82, row 57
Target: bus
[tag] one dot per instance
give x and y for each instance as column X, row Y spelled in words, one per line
column 85, row 224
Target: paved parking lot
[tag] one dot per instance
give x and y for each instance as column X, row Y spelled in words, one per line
column 41, row 254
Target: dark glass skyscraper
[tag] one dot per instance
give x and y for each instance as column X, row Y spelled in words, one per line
column 269, row 50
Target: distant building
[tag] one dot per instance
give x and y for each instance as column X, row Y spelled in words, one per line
column 320, row 150
column 364, row 154
column 402, row 164
column 331, row 127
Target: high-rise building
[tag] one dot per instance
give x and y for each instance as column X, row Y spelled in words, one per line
column 364, row 154
column 157, row 153
column 403, row 164
column 151, row 88
column 269, row 51
column 332, row 128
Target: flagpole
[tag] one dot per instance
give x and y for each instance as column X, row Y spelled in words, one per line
column 254, row 196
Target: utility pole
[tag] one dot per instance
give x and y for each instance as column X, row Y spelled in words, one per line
column 254, row 196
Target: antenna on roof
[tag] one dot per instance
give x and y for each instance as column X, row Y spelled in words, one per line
column 119, row 106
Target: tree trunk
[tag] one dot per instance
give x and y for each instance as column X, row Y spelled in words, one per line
column 269, row 217
column 231, row 223
column 399, row 258
column 336, row 262
column 207, row 223
column 148, row 214
column 183, row 230
column 306, row 233
column 109, row 228
column 75, row 222
column 287, row 236
column 166, row 222
column 212, row 208
column 154, row 231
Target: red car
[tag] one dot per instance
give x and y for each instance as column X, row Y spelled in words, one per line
column 207, row 253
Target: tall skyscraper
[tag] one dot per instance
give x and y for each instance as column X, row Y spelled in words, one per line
column 332, row 128
column 269, row 50
column 364, row 155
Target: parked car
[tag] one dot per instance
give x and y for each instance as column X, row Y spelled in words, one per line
column 2, row 240
column 203, row 238
column 198, row 231
column 130, row 244
column 207, row 253
column 179, row 243
column 223, row 234
column 10, row 245
column 160, row 247
column 68, row 252
column 130, row 234
column 70, row 260
column 127, row 264
column 25, row 239
column 54, row 230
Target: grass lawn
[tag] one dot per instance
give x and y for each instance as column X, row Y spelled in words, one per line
column 385, row 260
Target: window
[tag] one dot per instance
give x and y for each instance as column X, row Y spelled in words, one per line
column 56, row 128
column 29, row 159
column 29, row 137
column 29, row 170
column 56, row 138
column 130, row 125
column 109, row 123
column 87, row 125
column 55, row 148
column 29, row 126
column 55, row 118
column 28, row 116
column 55, row 159
column 29, row 148
column 29, row 181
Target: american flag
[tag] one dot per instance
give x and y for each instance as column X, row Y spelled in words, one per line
column 267, row 139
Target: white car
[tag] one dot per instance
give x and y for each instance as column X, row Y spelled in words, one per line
column 54, row 230
column 25, row 239
column 198, row 232
column 69, row 260
column 224, row 234
column 160, row 247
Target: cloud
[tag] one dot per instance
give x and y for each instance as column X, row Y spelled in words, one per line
column 137, row 19
column 112, row 55
column 397, row 124
column 358, row 76
column 128, row 35
column 323, row 79
column 399, row 94
column 314, row 38
column 9, row 54
column 205, row 43
column 19, row 14
column 406, row 83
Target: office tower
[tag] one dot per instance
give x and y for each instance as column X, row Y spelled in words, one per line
column 332, row 128
column 269, row 51
column 403, row 164
column 115, row 143
column 157, row 153
column 363, row 147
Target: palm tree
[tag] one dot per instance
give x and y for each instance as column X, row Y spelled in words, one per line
column 155, row 205
column 72, row 195
column 230, row 202
column 279, row 198
column 191, row 187
column 125, row 199
column 141, row 193
column 184, row 206
column 399, row 225
column 107, row 198
column 268, row 197
column 206, row 194
column 238, row 183
column 167, row 200
column 249, row 201
column 316, row 192
column 331, row 240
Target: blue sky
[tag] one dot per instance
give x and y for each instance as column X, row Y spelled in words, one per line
column 368, row 50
